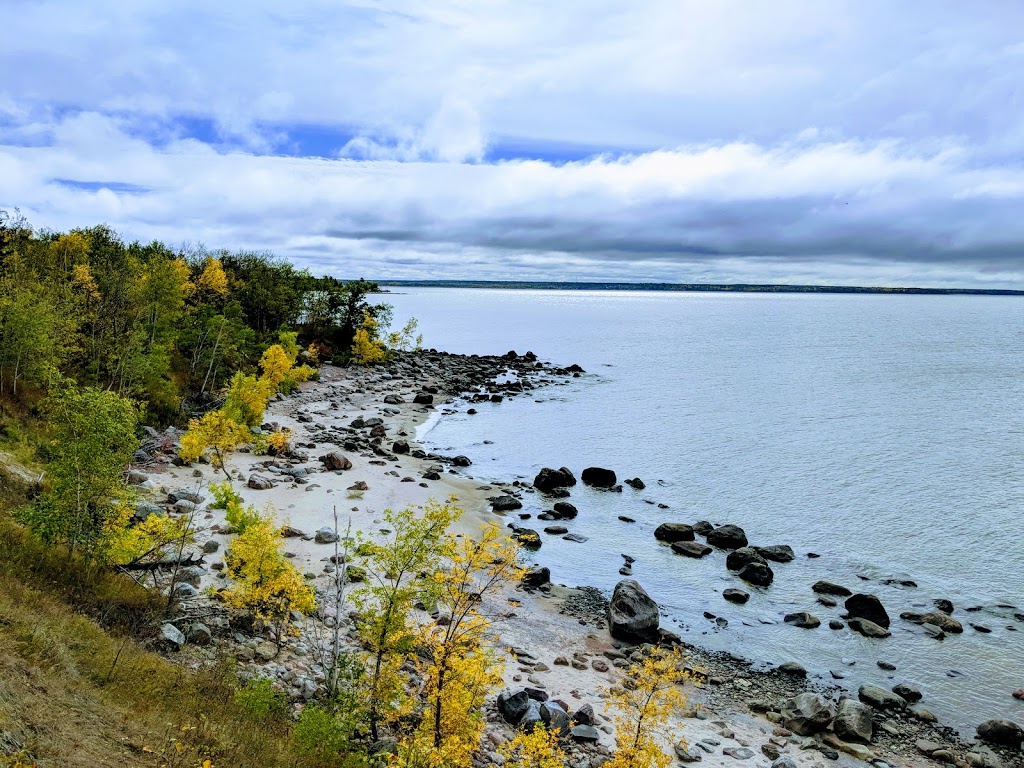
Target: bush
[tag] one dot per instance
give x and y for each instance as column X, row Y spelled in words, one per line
column 260, row 701
column 318, row 732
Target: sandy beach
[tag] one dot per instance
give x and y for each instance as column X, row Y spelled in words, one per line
column 554, row 639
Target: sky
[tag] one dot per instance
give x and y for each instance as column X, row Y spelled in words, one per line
column 866, row 142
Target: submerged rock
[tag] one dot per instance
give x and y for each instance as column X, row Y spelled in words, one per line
column 758, row 574
column 691, row 549
column 741, row 557
column 727, row 537
column 548, row 479
column 861, row 606
column 598, row 477
column 673, row 532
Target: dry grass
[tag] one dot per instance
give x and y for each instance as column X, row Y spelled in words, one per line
column 74, row 693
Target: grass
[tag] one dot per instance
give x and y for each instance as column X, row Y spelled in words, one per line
column 78, row 687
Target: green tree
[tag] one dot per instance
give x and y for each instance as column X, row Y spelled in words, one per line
column 85, row 495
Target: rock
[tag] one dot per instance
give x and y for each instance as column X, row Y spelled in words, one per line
column 632, row 614
column 853, row 721
column 358, row 485
column 585, row 734
column 400, row 446
column 742, row 557
column 803, row 620
column 554, row 717
column 598, row 477
column 727, row 537
column 335, row 461
column 879, row 698
column 537, row 576
column 210, row 546
column 691, row 549
column 200, row 634
column 326, row 536
column 784, row 762
column 1019, row 694
column 907, row 691
column 265, row 650
column 886, row 665
column 565, row 511
column 134, row 477
column 584, row 715
column 548, row 479
column 673, row 532
column 946, row 606
column 738, row 753
column 758, row 574
column 556, row 530
column 737, row 596
column 861, row 606
column 170, row 638
column 183, row 590
column 513, row 705
column 423, row 398
column 505, row 503
column 703, row 527
column 943, row 621
column 179, row 494
column 922, row 714
column 1001, row 733
column 806, row 714
column 531, row 717
column 636, row 483
column 779, row 553
column 793, row 669
column 144, row 509
column 868, row 628
column 461, row 461
column 527, row 538
column 828, row 588
column 686, row 753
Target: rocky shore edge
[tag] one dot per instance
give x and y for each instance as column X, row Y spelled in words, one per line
column 787, row 716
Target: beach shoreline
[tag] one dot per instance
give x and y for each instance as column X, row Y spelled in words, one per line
column 738, row 705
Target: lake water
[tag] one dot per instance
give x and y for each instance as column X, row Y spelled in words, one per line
column 884, row 433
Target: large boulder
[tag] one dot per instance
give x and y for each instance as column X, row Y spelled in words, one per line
column 779, row 553
column 532, row 717
column 548, row 479
column 806, row 714
column 537, row 576
column 828, row 588
column 853, row 721
column 326, row 536
column 879, row 698
column 758, row 574
column 741, row 557
column 173, row 497
column 335, row 461
column 632, row 614
column 565, row 511
column 861, row 606
column 260, row 482
column 868, row 628
column 672, row 532
column 423, row 398
column 1002, row 733
column 598, row 477
column 513, row 705
column 170, row 638
column 505, row 503
column 555, row 718
column 691, row 549
column 727, row 537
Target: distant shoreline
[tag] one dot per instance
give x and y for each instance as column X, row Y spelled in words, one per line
column 696, row 287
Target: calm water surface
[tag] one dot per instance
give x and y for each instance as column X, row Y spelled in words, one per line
column 885, row 433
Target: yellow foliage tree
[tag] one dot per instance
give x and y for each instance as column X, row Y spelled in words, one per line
column 367, row 349
column 275, row 364
column 537, row 749
column 266, row 584
column 642, row 706
column 216, row 431
column 129, row 544
column 459, row 672
column 247, row 398
column 212, row 279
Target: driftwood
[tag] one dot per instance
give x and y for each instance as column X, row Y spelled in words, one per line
column 173, row 562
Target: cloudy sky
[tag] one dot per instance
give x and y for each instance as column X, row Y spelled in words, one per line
column 862, row 142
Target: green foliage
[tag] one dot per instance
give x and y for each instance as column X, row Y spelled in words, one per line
column 319, row 732
column 85, row 496
column 258, row 699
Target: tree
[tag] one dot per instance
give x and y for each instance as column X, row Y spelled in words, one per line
column 537, row 749
column 367, row 349
column 266, row 584
column 85, row 494
column 212, row 281
column 459, row 671
column 417, row 542
column 642, row 706
column 216, row 431
column 405, row 339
